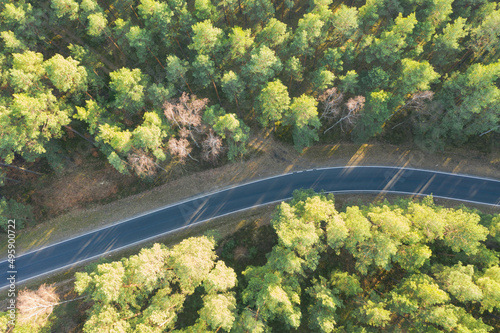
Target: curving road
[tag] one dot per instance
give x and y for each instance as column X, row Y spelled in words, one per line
column 196, row 210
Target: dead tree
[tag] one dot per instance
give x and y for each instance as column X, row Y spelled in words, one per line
column 142, row 165
column 335, row 110
column 35, row 306
column 212, row 147
column 186, row 114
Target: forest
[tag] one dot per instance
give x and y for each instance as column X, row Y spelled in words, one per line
column 147, row 82
column 406, row 266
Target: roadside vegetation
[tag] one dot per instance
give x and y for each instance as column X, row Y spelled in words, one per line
column 406, row 266
column 149, row 86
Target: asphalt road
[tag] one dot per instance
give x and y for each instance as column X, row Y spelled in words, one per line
column 336, row 180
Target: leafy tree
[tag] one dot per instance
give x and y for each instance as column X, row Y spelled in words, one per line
column 258, row 11
column 376, row 112
column 344, row 22
column 239, row 42
column 13, row 210
column 65, row 7
column 388, row 48
column 274, row 35
column 272, row 103
column 324, row 305
column 147, row 291
column 176, row 70
column 446, row 45
column 97, row 23
column 293, row 69
column 471, row 102
column 368, row 14
column 204, row 9
column 232, row 86
column 27, row 70
column 349, row 82
column 128, row 88
column 303, row 118
column 457, row 280
column 229, row 127
column 263, row 66
column 322, row 78
column 485, row 37
column 207, row 39
column 139, row 39
column 66, row 74
column 415, row 76
column 308, row 34
column 29, row 122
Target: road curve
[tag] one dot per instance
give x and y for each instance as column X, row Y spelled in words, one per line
column 362, row 179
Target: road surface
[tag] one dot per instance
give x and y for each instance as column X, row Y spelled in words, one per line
column 138, row 229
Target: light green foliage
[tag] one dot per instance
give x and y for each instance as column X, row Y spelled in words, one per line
column 489, row 283
column 27, row 70
column 232, row 85
column 203, row 70
column 274, row 35
column 207, row 39
column 229, row 127
column 66, row 74
column 140, row 40
column 447, row 44
column 357, row 287
column 89, row 5
column 457, row 280
column 374, row 314
column 268, row 292
column 388, row 48
column 248, row 323
column 472, row 102
column 204, row 9
column 347, row 284
column 13, row 14
column 29, row 122
column 117, row 138
column 13, row 210
column 293, row 69
column 239, row 42
column 263, row 66
column 303, row 117
column 495, row 227
column 97, row 23
column 148, row 290
column 11, row 42
column 176, row 69
column 65, row 8
column 368, row 14
column 349, row 82
column 376, row 112
column 91, row 113
column 324, row 304
column 151, row 135
column 128, row 88
column 157, row 14
column 272, row 103
column 415, row 76
column 258, row 10
column 307, row 35
column 218, row 311
column 344, row 22
column 486, row 37
column 463, row 231
column 322, row 79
